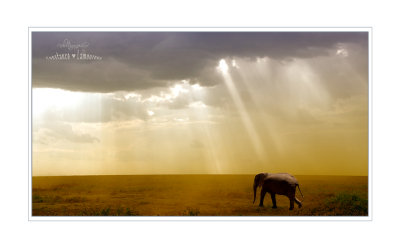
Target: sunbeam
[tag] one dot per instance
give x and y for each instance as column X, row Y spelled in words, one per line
column 259, row 73
column 244, row 115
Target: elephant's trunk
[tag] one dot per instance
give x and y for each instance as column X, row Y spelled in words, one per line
column 255, row 185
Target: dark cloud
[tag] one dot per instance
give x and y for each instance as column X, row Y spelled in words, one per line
column 141, row 60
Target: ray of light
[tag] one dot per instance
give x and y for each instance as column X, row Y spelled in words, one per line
column 200, row 112
column 259, row 73
column 214, row 164
column 244, row 115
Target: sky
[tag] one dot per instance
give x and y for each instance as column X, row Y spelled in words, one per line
column 199, row 103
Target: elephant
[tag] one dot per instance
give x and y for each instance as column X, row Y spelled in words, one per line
column 277, row 183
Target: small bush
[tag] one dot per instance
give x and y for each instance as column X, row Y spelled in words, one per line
column 37, row 199
column 95, row 212
column 108, row 212
column 105, row 212
column 129, row 212
column 191, row 212
column 347, row 204
column 125, row 212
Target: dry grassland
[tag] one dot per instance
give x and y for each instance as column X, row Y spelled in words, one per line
column 192, row 195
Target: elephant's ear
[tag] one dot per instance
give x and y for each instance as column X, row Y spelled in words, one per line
column 257, row 179
column 262, row 178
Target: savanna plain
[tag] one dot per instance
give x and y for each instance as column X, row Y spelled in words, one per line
column 192, row 195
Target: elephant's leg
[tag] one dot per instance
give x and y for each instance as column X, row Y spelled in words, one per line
column 263, row 192
column 298, row 202
column 273, row 200
column 291, row 198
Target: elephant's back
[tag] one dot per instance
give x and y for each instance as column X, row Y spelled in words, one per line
column 283, row 177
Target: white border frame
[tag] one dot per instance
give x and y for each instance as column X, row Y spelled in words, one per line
column 202, row 218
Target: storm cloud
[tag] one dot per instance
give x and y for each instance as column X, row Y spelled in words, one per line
column 132, row 61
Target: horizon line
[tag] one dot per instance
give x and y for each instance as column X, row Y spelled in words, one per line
column 191, row 174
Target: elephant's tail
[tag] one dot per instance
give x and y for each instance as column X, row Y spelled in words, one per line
column 300, row 191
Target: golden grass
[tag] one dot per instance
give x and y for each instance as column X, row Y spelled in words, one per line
column 196, row 195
